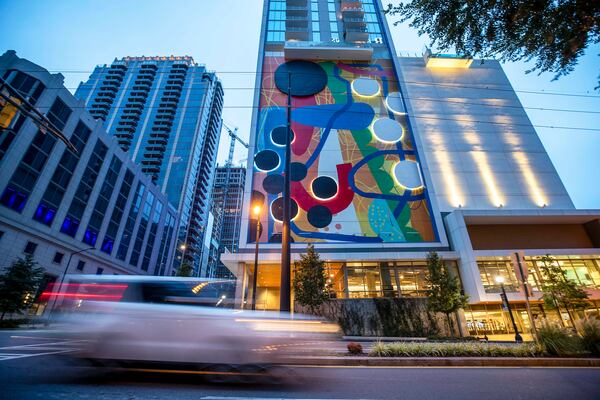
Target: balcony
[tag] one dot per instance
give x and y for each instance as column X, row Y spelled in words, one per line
column 296, row 22
column 356, row 34
column 352, row 9
column 151, row 170
column 296, row 11
column 296, row 34
column 304, row 50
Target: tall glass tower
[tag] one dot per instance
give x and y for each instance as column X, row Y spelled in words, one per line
column 356, row 174
column 166, row 112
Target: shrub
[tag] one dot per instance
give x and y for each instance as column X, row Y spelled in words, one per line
column 557, row 341
column 355, row 348
column 590, row 335
column 449, row 349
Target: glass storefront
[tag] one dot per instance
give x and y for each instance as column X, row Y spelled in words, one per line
column 491, row 319
column 353, row 280
column 585, row 270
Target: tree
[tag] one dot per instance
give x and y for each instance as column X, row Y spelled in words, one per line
column 444, row 290
column 185, row 270
column 554, row 33
column 560, row 291
column 309, row 280
column 18, row 285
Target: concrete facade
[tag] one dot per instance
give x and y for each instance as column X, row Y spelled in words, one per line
column 96, row 203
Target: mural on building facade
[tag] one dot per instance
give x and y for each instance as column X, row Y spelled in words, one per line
column 355, row 175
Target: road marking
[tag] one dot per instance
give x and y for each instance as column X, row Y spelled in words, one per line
column 25, row 350
column 263, row 398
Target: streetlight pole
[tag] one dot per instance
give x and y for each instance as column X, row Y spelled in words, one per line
column 62, row 279
column 500, row 280
column 255, row 272
column 284, row 297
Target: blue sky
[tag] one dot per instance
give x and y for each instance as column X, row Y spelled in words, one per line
column 72, row 36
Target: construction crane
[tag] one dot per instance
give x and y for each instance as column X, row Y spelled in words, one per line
column 234, row 137
column 228, row 164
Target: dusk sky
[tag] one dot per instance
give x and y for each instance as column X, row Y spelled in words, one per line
column 72, row 36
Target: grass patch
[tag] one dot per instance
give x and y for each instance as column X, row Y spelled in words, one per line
column 412, row 349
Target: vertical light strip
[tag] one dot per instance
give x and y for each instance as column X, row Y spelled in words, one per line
column 485, row 171
column 455, row 196
column 536, row 192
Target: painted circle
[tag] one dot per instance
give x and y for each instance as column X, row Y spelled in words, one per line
column 277, row 209
column 394, row 103
column 388, row 130
column 266, row 160
column 407, row 174
column 324, row 187
column 297, row 171
column 319, row 216
column 273, row 184
column 307, row 78
column 257, row 198
column 366, row 87
column 278, row 135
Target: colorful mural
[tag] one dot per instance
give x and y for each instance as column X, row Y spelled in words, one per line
column 355, row 175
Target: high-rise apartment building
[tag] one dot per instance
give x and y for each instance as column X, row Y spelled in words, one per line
column 229, row 188
column 89, row 211
column 395, row 157
column 166, row 113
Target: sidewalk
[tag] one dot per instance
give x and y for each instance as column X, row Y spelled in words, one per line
column 353, row 361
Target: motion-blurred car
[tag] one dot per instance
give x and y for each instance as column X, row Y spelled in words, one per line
column 179, row 323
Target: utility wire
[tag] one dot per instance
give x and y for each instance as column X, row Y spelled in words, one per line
column 456, row 85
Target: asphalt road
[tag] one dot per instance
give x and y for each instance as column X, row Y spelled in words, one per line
column 32, row 367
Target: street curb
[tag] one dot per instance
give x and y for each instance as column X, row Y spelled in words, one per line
column 451, row 362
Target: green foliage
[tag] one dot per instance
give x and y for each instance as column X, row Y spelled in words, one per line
column 557, row 341
column 559, row 291
column 18, row 285
column 590, row 335
column 184, row 270
column 450, row 349
column 444, row 294
column 309, row 280
column 553, row 33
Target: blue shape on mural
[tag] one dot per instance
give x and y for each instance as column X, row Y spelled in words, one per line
column 353, row 116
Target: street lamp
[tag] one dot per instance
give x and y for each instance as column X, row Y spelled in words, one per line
column 62, row 279
column 256, row 211
column 500, row 281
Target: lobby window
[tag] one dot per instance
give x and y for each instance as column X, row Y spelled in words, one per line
column 80, row 265
column 58, row 257
column 492, row 267
column 30, row 248
column 584, row 270
column 413, row 279
column 336, row 284
column 363, row 280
